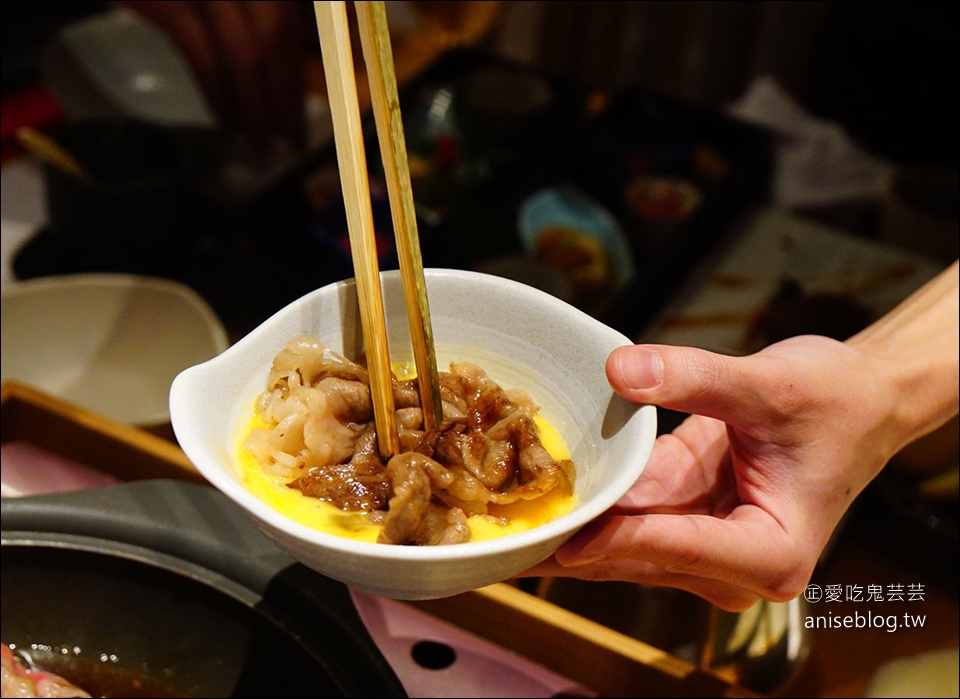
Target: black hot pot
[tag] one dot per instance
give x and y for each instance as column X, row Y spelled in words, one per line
column 164, row 588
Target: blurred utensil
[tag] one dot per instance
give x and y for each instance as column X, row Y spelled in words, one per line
column 46, row 148
column 941, row 486
column 378, row 55
column 334, row 33
column 762, row 646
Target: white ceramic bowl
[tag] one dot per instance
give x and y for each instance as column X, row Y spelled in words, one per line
column 112, row 343
column 522, row 337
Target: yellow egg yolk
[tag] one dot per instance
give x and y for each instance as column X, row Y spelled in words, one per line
column 329, row 518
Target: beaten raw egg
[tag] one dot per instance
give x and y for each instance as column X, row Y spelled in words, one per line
column 330, row 519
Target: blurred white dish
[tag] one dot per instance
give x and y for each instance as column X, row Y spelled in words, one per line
column 109, row 342
column 116, row 63
column 522, row 337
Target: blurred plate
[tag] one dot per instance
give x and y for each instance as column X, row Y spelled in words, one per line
column 115, row 63
column 112, row 343
column 726, row 295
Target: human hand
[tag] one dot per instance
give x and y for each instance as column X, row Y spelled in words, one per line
column 247, row 58
column 740, row 500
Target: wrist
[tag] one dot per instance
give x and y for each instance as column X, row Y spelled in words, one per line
column 913, row 354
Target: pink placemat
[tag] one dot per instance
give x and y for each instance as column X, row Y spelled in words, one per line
column 433, row 658
column 29, row 470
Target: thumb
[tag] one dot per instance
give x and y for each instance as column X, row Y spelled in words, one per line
column 685, row 379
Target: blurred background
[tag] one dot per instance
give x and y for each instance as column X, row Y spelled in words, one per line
column 841, row 112
column 719, row 174
column 881, row 69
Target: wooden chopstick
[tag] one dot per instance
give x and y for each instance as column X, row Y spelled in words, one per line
column 45, row 147
column 378, row 55
column 338, row 68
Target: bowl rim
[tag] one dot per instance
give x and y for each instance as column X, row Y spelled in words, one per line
column 563, row 526
column 18, row 287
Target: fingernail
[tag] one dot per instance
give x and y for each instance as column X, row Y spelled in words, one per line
column 640, row 369
column 587, row 560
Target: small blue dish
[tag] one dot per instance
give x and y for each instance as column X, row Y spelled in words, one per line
column 567, row 207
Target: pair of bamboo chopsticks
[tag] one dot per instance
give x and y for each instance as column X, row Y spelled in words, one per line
column 337, row 55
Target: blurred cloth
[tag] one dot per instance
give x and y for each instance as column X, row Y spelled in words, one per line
column 816, row 163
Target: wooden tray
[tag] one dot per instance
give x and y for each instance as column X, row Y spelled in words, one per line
column 613, row 664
